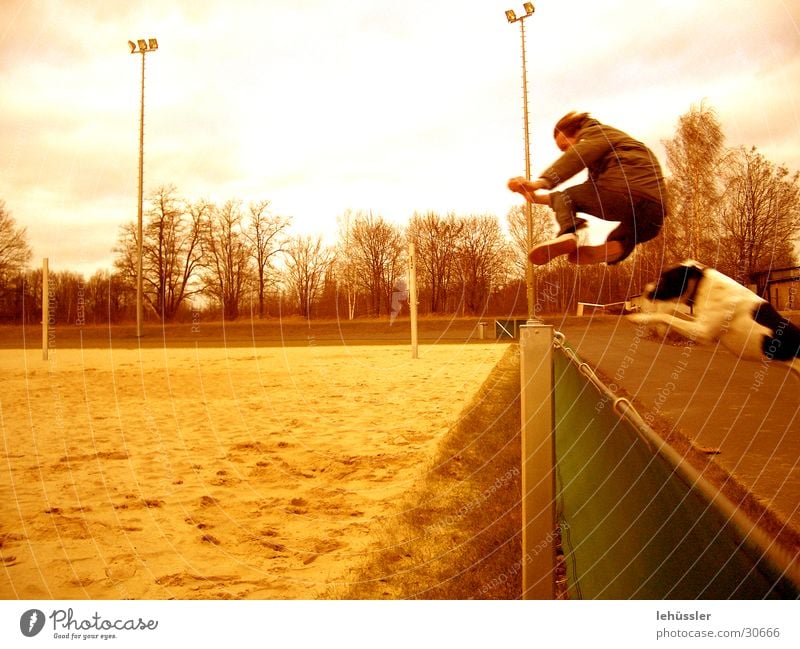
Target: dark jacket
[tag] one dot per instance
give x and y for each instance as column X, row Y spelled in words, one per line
column 616, row 162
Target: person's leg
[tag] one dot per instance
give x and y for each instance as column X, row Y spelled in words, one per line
column 565, row 242
column 641, row 224
column 565, row 212
column 588, row 198
column 640, row 220
column 566, row 204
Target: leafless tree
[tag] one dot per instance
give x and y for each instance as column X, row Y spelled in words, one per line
column 435, row 240
column 378, row 253
column 105, row 298
column 760, row 216
column 171, row 251
column 693, row 158
column 266, row 233
column 345, row 267
column 65, row 288
column 483, row 260
column 307, row 265
column 543, row 229
column 227, row 255
column 15, row 252
column 30, row 296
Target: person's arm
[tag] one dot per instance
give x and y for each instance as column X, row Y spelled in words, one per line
column 592, row 145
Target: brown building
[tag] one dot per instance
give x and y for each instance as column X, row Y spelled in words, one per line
column 779, row 286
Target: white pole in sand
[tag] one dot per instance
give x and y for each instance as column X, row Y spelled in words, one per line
column 538, row 462
column 412, row 298
column 45, row 307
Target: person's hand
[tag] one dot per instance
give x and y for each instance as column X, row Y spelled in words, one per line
column 521, row 185
column 529, row 189
column 517, row 184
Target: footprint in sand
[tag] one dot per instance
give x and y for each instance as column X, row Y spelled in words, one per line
column 322, row 547
column 121, row 568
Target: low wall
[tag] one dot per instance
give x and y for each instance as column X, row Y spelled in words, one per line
column 636, row 521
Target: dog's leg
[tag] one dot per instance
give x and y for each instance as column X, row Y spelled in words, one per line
column 692, row 330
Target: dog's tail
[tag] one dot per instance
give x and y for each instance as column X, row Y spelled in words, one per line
column 795, row 365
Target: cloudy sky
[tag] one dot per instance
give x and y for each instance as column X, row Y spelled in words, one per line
column 323, row 106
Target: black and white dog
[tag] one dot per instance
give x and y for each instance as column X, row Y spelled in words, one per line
column 723, row 310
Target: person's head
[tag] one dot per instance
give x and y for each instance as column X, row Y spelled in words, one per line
column 567, row 129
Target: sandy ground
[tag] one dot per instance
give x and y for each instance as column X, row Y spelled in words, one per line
column 214, row 472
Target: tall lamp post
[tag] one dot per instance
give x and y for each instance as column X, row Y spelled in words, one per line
column 140, row 47
column 530, row 277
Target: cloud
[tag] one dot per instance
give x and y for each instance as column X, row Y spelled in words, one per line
column 320, row 106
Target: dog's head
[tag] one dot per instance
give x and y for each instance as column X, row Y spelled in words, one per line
column 676, row 284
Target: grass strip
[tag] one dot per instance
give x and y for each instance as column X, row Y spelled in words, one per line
column 458, row 533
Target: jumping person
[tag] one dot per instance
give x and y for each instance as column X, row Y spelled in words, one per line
column 625, row 184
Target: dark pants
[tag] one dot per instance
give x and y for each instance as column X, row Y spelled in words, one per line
column 640, row 218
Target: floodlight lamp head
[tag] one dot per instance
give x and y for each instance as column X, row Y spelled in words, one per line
column 152, row 43
column 529, row 9
column 511, row 16
column 142, row 45
column 132, row 45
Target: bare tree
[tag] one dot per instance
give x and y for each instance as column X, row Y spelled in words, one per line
column 435, row 239
column 227, row 254
column 65, row 288
column 760, row 215
column 543, row 229
column 647, row 260
column 15, row 252
column 171, row 251
column 31, row 296
column 345, row 267
column 484, row 256
column 307, row 265
column 378, row 252
column 265, row 232
column 693, row 157
column 105, row 298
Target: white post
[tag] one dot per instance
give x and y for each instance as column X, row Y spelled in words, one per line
column 45, row 307
column 412, row 298
column 538, row 462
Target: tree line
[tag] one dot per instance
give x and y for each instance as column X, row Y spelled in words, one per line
column 730, row 208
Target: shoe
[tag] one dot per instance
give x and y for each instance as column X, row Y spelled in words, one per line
column 610, row 253
column 549, row 250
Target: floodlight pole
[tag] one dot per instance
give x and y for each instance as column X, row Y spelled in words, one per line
column 530, row 276
column 139, row 229
column 142, row 48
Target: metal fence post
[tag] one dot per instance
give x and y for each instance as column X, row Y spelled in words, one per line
column 538, row 462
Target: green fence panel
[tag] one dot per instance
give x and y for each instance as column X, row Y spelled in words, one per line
column 634, row 528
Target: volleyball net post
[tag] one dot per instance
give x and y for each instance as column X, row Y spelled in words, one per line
column 45, row 307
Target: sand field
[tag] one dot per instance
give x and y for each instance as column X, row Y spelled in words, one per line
column 262, row 472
